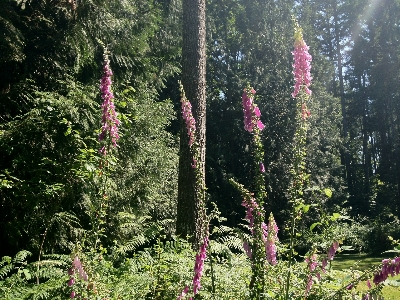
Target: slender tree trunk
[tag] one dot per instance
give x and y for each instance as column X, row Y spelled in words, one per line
column 366, row 144
column 189, row 220
column 346, row 155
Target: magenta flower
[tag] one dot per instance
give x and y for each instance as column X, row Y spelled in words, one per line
column 312, row 262
column 76, row 267
column 332, row 250
column 194, row 164
column 189, row 120
column 324, row 264
column 71, row 281
column 250, row 206
column 247, row 249
column 251, row 112
column 198, row 270
column 271, row 239
column 199, row 265
column 260, row 125
column 184, row 292
column 109, row 120
column 301, row 65
column 389, row 267
column 262, row 167
column 309, row 284
column 369, row 284
column 318, row 275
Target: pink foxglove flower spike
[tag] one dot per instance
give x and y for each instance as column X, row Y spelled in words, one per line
column 189, row 120
column 301, row 65
column 271, row 239
column 251, row 111
column 199, row 266
column 109, row 120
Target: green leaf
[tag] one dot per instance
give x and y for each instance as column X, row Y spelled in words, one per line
column 328, row 192
column 27, row 274
column 335, row 216
column 306, row 208
column 68, row 131
column 314, row 225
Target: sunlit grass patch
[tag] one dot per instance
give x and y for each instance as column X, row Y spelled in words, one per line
column 362, row 262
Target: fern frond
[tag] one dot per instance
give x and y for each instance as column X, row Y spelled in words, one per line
column 132, row 244
column 21, row 256
column 5, row 260
column 4, row 271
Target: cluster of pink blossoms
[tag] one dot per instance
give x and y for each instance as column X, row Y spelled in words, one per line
column 389, row 267
column 189, row 120
column 270, row 232
column 199, row 266
column 109, row 120
column 198, row 270
column 76, row 268
column 270, row 238
column 301, row 65
column 313, row 263
column 332, row 250
column 183, row 294
column 251, row 112
column 250, row 205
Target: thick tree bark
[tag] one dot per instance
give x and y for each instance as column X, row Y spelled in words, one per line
column 189, row 215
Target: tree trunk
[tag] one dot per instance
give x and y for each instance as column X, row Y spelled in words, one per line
column 366, row 144
column 189, row 215
column 346, row 154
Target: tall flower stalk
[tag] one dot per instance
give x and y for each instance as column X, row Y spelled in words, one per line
column 201, row 256
column 262, row 248
column 253, row 124
column 76, row 269
column 301, row 93
column 108, row 137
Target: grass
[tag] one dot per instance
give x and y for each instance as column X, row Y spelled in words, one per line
column 362, row 262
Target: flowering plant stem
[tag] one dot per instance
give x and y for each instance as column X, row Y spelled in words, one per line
column 254, row 203
column 301, row 72
column 299, row 178
column 108, row 137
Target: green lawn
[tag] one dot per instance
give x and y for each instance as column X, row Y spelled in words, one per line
column 363, row 262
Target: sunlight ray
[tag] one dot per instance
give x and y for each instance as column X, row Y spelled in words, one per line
column 365, row 16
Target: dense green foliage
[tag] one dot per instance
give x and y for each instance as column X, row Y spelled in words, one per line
column 51, row 118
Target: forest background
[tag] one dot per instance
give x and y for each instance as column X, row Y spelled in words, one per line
column 51, row 63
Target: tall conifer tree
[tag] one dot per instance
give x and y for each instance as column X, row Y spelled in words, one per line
column 189, row 218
